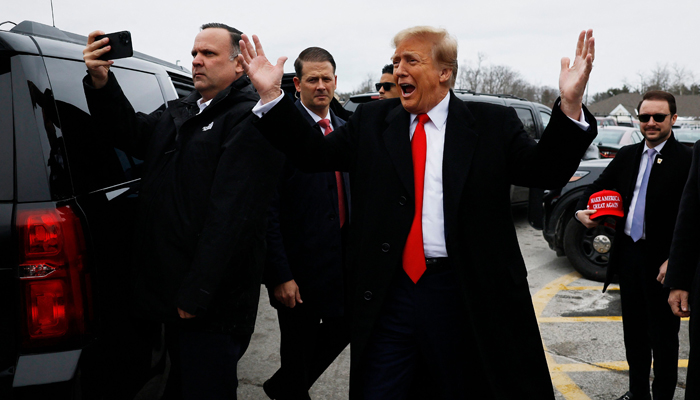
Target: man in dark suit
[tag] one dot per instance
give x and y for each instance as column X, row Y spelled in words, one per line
column 650, row 177
column 306, row 237
column 430, row 283
column 682, row 278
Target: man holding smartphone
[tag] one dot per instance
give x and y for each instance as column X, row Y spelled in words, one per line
column 208, row 178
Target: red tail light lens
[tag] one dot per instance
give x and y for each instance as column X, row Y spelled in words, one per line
column 52, row 274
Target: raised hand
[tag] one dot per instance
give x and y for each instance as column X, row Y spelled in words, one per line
column 97, row 68
column 266, row 78
column 573, row 78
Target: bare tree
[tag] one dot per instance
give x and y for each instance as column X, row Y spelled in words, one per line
column 367, row 85
column 660, row 78
column 471, row 78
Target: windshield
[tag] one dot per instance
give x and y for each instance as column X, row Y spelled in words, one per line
column 687, row 135
column 608, row 137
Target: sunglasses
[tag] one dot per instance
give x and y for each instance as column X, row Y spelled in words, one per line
column 386, row 85
column 657, row 117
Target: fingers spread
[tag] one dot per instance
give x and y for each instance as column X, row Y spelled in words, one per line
column 580, row 43
column 258, row 46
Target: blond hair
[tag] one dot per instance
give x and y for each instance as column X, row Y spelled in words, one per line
column 444, row 46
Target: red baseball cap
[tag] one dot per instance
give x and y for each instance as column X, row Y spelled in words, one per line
column 606, row 202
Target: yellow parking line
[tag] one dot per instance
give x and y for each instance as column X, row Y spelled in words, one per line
column 558, row 372
column 541, row 298
column 567, row 387
column 596, row 288
column 579, row 319
column 578, row 368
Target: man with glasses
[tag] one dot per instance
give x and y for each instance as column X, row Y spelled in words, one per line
column 650, row 177
column 387, row 87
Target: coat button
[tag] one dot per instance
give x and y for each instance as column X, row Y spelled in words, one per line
column 331, row 217
column 402, row 200
column 385, row 247
column 367, row 295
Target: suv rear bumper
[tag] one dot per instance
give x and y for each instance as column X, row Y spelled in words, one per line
column 39, row 369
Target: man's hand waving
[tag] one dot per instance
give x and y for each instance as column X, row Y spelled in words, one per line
column 266, row 78
column 573, row 78
column 97, row 68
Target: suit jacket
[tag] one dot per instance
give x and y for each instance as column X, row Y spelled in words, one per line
column 486, row 150
column 666, row 182
column 683, row 263
column 304, row 237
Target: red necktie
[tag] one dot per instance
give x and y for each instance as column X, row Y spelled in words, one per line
column 327, row 128
column 413, row 253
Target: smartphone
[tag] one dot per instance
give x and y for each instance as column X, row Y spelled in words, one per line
column 121, row 45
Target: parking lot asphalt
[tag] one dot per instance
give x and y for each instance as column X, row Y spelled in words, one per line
column 581, row 331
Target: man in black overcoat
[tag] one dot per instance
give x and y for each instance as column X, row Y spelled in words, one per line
column 643, row 242
column 207, row 181
column 442, row 284
column 681, row 276
column 306, row 238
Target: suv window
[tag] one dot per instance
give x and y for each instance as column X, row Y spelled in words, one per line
column 528, row 121
column 545, row 118
column 94, row 163
column 6, row 128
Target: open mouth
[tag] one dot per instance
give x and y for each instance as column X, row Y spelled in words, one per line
column 406, row 89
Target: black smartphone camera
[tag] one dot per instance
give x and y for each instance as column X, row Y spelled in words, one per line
column 121, row 45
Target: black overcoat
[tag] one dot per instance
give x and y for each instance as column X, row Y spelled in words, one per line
column 683, row 266
column 207, row 182
column 486, row 150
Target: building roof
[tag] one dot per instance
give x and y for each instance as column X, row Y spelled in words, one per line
column 688, row 106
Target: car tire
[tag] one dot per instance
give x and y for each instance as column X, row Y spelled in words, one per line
column 588, row 250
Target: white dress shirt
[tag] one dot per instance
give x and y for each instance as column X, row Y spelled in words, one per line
column 633, row 204
column 433, row 210
column 316, row 118
column 202, row 106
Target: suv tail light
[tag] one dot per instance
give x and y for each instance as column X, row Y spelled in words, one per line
column 52, row 275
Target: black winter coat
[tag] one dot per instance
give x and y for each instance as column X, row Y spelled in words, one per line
column 206, row 185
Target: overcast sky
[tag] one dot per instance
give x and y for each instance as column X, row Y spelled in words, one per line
column 632, row 37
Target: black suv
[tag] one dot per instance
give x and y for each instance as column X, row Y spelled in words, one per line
column 67, row 207
column 534, row 117
column 588, row 250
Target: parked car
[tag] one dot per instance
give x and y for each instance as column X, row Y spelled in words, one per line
column 588, row 250
column 354, row 101
column 610, row 139
column 687, row 136
column 605, row 121
column 534, row 117
column 67, row 210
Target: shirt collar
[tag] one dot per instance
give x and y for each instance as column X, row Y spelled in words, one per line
column 658, row 146
column 204, row 105
column 438, row 114
column 315, row 117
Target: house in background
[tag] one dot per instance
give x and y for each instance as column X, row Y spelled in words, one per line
column 623, row 107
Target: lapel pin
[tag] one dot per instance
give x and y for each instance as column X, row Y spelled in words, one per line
column 658, row 160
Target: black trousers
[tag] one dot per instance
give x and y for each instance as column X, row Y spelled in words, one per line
column 308, row 345
column 650, row 328
column 421, row 346
column 203, row 365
